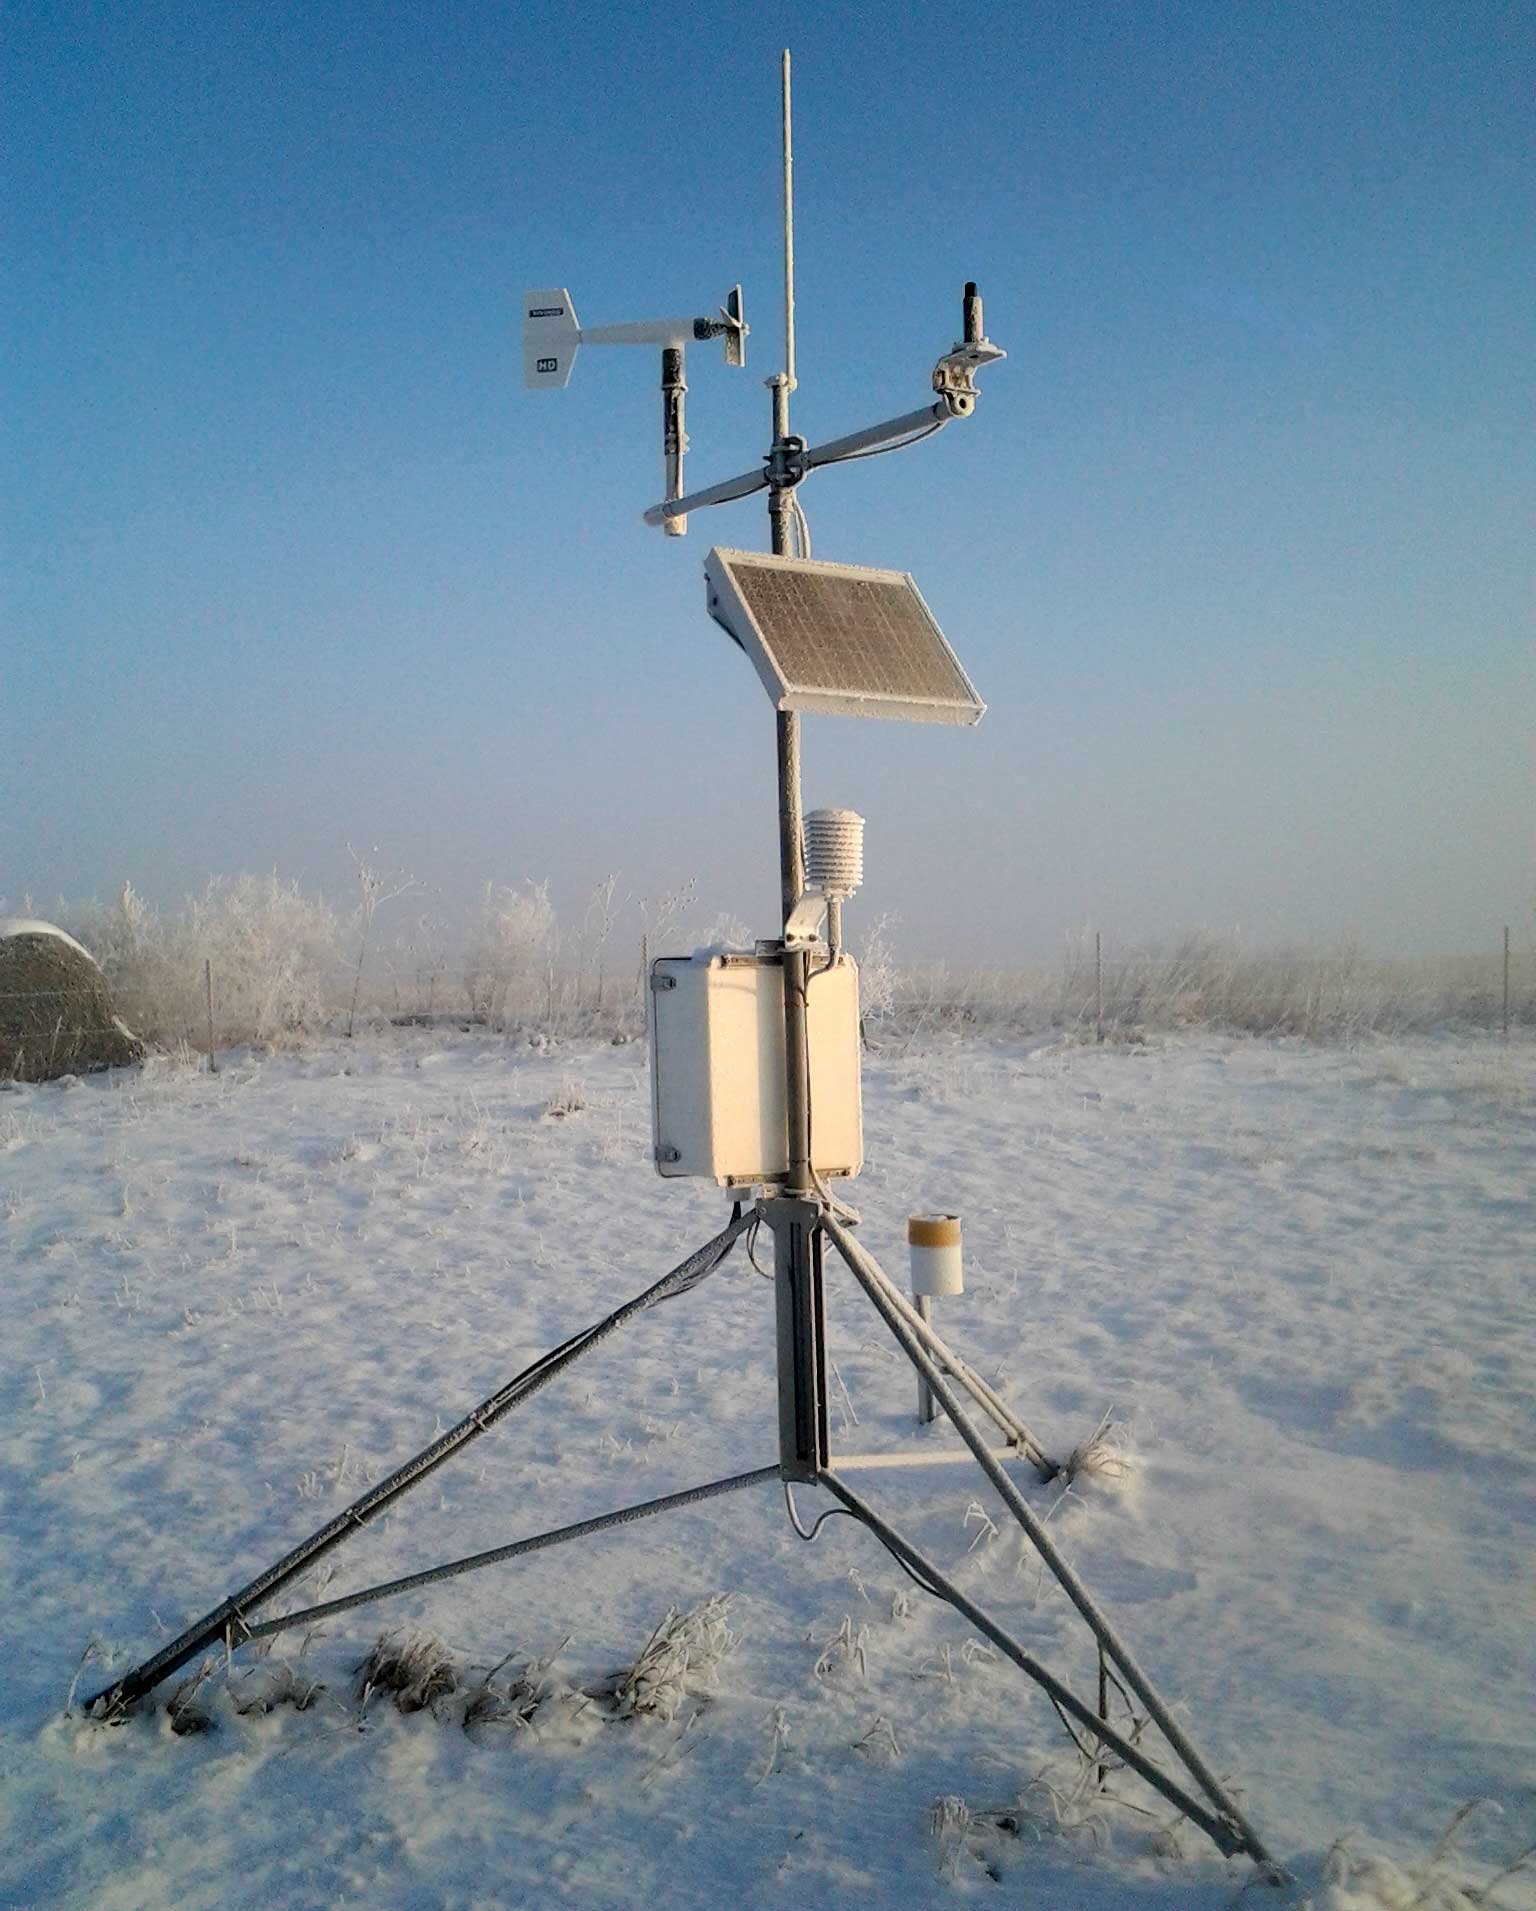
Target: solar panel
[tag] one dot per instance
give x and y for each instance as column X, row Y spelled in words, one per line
column 839, row 638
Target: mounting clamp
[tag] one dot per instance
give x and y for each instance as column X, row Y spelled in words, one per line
column 786, row 464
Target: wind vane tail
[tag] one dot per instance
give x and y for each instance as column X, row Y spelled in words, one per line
column 551, row 339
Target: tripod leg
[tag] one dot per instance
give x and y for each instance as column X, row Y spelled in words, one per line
column 1222, row 1827
column 985, row 1396
column 873, row 1280
column 228, row 1616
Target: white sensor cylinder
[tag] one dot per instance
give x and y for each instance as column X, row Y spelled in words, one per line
column 933, row 1240
column 834, row 852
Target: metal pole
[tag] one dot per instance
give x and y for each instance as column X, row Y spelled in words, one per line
column 926, row 1410
column 1506, row 982
column 207, row 1630
column 213, row 1067
column 240, row 1632
column 801, row 1350
column 800, row 1317
column 674, row 437
column 791, row 844
column 1098, row 984
column 789, row 232
column 860, row 1263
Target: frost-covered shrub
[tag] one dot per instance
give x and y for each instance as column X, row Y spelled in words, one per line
column 271, row 952
column 877, row 973
column 508, row 950
column 138, row 952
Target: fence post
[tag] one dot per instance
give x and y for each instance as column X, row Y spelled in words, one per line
column 1098, row 984
column 1506, row 982
column 213, row 1067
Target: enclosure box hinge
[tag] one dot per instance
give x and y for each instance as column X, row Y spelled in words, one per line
column 660, row 981
column 666, row 1153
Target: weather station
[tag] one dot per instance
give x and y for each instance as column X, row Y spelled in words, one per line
column 755, row 1064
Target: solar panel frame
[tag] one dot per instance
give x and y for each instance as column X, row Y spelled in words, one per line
column 839, row 639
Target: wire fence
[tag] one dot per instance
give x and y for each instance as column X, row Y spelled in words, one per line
column 1107, row 994
column 201, row 1004
column 207, row 1006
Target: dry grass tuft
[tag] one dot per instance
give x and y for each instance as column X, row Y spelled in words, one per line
column 514, row 1693
column 1104, row 1455
column 265, row 1688
column 1436, row 1883
column 1066, row 1802
column 682, row 1655
column 415, row 1668
column 843, row 1655
column 569, row 1100
column 187, row 1712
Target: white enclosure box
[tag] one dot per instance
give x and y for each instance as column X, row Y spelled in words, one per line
column 717, row 1067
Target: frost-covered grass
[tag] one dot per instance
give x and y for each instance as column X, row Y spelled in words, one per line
column 1275, row 1296
column 1217, row 982
column 287, row 967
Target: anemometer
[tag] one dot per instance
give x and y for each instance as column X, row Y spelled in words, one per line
column 755, row 1065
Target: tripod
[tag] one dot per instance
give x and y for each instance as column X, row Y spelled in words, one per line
column 802, row 1226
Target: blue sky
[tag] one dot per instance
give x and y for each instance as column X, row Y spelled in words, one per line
column 1237, row 549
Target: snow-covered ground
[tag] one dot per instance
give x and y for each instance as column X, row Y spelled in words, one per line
column 1301, row 1277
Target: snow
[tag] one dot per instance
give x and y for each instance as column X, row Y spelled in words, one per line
column 26, row 926
column 1300, row 1276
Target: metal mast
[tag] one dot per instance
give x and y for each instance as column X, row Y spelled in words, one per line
column 801, row 1314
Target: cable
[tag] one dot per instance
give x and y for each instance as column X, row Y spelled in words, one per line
column 838, row 1206
column 879, row 451
column 802, row 526
column 922, row 1584
column 934, row 1592
column 794, row 1518
column 752, row 1234
column 688, row 1284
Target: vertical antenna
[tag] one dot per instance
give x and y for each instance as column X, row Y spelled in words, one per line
column 789, row 240
column 780, row 505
